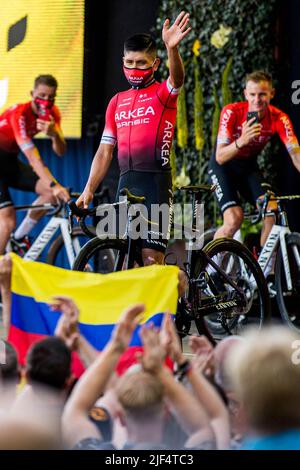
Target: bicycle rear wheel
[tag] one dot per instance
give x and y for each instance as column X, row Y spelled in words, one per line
column 222, row 309
column 289, row 300
column 104, row 256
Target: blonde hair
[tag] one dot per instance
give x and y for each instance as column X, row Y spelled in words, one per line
column 140, row 393
column 266, row 379
column 259, row 76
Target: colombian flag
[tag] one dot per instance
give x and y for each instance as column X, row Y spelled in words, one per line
column 100, row 299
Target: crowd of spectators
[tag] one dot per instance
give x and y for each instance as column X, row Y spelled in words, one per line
column 239, row 394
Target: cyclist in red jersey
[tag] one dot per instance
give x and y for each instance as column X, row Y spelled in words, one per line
column 233, row 166
column 141, row 122
column 18, row 125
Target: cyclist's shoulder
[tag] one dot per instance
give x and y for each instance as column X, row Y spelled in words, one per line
column 16, row 109
column 55, row 111
column 120, row 97
column 276, row 113
column 237, row 107
column 234, row 111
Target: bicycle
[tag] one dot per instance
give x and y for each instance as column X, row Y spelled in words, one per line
column 236, row 296
column 65, row 247
column 284, row 246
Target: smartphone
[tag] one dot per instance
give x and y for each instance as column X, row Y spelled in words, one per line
column 44, row 113
column 251, row 115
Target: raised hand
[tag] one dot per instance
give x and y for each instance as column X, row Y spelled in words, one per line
column 154, row 353
column 204, row 360
column 67, row 325
column 173, row 34
column 170, row 339
column 123, row 331
column 67, row 306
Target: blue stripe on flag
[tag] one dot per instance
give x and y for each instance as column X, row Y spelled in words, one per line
column 36, row 317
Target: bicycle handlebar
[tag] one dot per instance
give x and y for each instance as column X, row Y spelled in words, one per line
column 262, row 203
column 81, row 213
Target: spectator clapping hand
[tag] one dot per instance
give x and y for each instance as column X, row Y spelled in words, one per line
column 128, row 321
column 204, row 354
column 67, row 325
column 170, row 339
column 154, row 353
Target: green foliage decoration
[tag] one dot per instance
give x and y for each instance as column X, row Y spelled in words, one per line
column 235, row 37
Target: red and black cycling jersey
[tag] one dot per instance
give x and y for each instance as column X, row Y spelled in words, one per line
column 18, row 126
column 141, row 122
column 274, row 121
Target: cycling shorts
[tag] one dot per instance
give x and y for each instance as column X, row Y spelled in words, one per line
column 234, row 179
column 14, row 174
column 157, row 190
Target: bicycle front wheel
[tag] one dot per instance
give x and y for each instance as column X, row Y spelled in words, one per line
column 288, row 300
column 57, row 254
column 229, row 305
column 103, row 256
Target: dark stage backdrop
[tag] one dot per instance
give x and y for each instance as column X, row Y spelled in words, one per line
column 289, row 98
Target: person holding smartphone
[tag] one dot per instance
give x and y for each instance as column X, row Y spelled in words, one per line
column 244, row 130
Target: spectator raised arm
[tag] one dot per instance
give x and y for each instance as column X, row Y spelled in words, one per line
column 76, row 423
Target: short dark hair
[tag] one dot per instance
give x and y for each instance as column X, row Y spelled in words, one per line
column 140, row 43
column 10, row 370
column 48, row 80
column 48, row 362
column 259, row 76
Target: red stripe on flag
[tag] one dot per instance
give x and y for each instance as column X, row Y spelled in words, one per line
column 22, row 341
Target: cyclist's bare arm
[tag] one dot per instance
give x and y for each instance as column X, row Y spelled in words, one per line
column 226, row 152
column 98, row 171
column 44, row 173
column 289, row 139
column 59, row 145
column 172, row 36
column 295, row 156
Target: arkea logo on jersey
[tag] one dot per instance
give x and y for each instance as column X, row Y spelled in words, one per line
column 288, row 128
column 135, row 113
column 166, row 143
column 22, row 127
column 224, row 122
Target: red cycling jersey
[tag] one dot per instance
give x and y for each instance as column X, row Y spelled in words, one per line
column 274, row 121
column 18, row 126
column 141, row 121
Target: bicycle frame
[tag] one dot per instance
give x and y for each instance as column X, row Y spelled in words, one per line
column 48, row 232
column 276, row 237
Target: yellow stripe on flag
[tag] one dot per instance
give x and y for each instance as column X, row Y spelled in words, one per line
column 100, row 297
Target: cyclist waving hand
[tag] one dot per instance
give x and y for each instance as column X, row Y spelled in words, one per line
column 141, row 122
